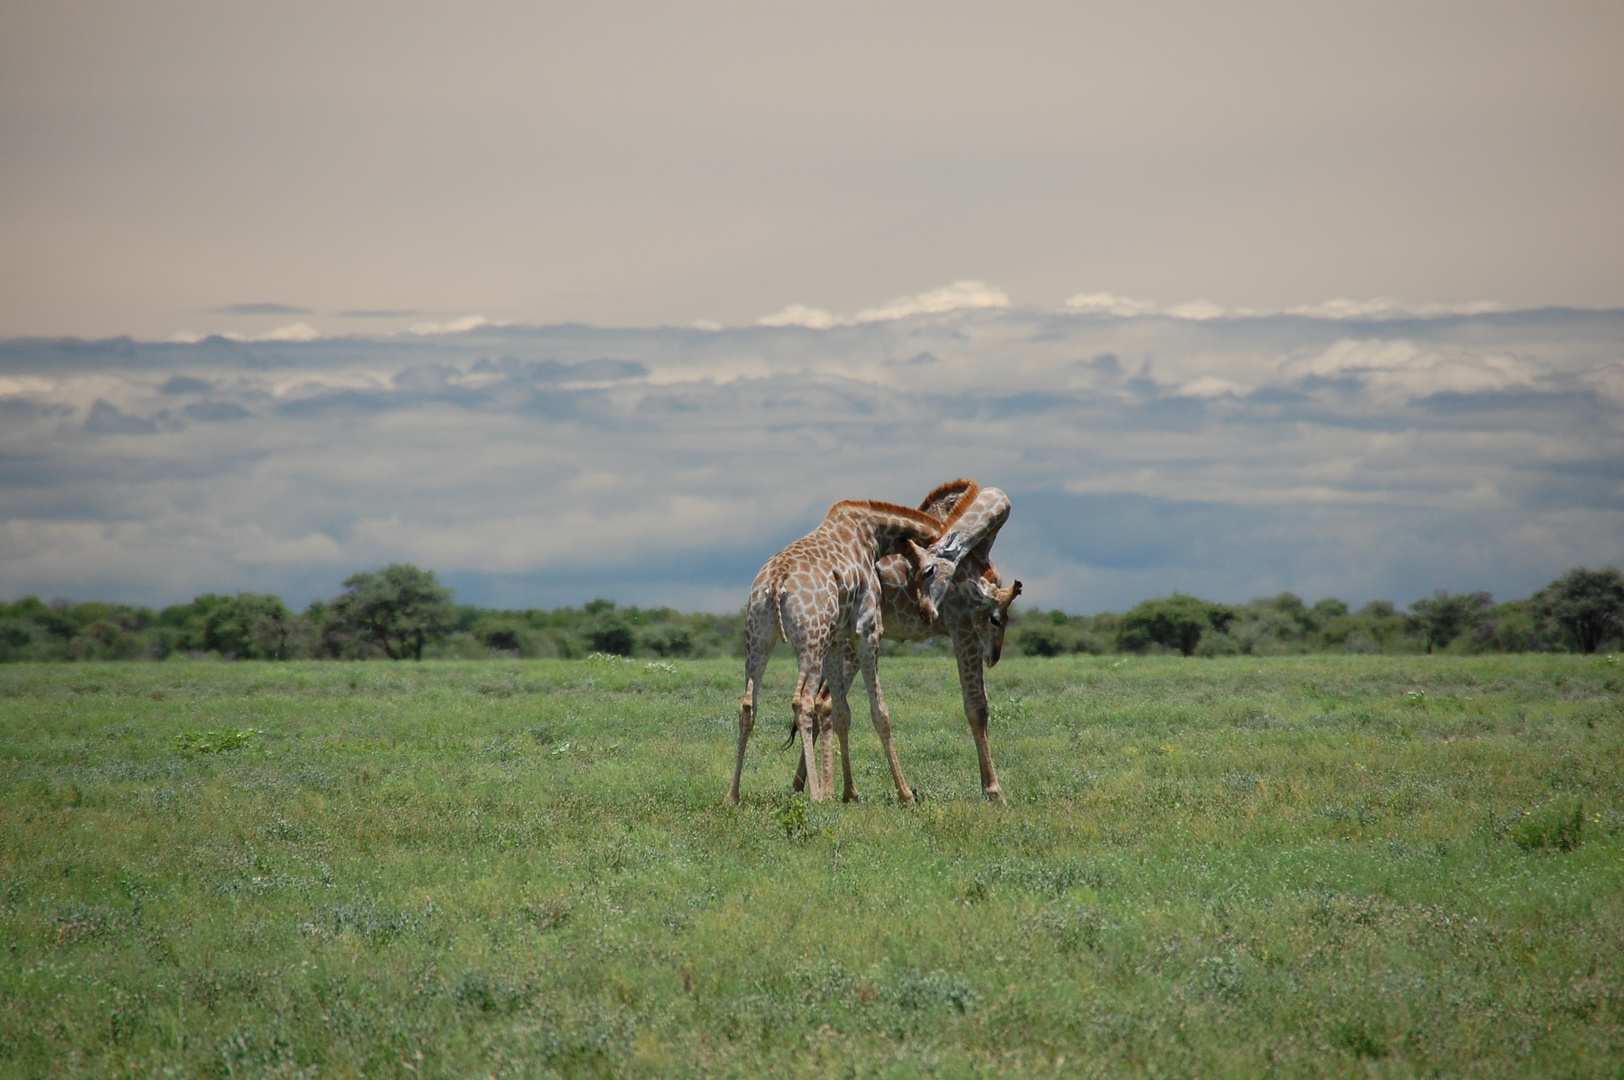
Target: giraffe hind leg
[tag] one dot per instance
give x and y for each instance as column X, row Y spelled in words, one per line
column 755, row 665
column 869, row 660
column 806, row 723
column 842, row 673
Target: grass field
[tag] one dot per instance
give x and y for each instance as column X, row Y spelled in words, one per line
column 1318, row 866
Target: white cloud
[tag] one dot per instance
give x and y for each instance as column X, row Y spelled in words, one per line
column 455, row 326
column 299, row 331
column 1211, row 386
column 292, row 332
column 1402, row 371
column 1125, row 307
column 1105, row 303
column 1198, row 310
column 801, row 315
column 10, row 386
column 959, row 296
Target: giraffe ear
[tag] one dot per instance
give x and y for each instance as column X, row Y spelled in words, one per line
column 915, row 555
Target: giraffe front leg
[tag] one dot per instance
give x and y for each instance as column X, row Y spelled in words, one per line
column 972, row 682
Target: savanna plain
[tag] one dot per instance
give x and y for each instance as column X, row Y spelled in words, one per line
column 1233, row 867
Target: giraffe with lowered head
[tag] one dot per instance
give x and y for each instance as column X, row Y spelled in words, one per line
column 973, row 612
column 818, row 592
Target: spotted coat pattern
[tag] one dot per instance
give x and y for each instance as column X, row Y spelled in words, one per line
column 816, row 593
column 973, row 614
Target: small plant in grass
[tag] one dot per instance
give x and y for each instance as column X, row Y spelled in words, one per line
column 1358, row 1038
column 214, row 740
column 924, row 990
column 1558, row 824
column 795, row 819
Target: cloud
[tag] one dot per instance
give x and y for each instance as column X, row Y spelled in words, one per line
column 1399, row 370
column 259, row 309
column 216, row 411
column 1385, row 307
column 1227, row 456
column 959, row 296
column 11, row 386
column 185, row 384
column 455, row 326
column 1382, row 307
column 292, row 332
column 1209, row 386
column 1126, row 307
column 1110, row 304
column 106, row 419
column 801, row 315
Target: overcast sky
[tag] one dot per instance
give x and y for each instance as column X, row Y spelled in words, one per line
column 616, row 298
column 195, row 167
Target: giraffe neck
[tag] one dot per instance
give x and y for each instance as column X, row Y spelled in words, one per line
column 886, row 525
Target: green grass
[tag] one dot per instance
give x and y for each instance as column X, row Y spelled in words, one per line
column 1363, row 866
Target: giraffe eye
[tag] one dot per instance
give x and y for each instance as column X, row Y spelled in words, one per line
column 997, row 619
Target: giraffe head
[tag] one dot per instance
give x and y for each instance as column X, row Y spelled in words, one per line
column 971, row 517
column 989, row 614
column 933, row 572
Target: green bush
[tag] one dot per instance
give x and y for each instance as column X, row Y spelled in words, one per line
column 1175, row 622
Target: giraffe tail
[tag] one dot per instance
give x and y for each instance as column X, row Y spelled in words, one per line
column 817, row 717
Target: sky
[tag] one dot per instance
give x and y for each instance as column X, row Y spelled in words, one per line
column 1370, row 455
column 615, row 299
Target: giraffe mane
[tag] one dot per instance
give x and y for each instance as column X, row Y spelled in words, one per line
column 923, row 520
column 964, row 488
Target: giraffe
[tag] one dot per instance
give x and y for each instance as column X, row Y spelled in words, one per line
column 974, row 613
column 819, row 590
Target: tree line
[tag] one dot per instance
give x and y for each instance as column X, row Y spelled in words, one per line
column 402, row 612
column 1581, row 611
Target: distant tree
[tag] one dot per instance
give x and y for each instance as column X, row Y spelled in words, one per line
column 1176, row 622
column 1587, row 604
column 399, row 609
column 1327, row 609
column 612, row 637
column 1444, row 618
column 1040, row 639
column 668, row 640
column 249, row 626
column 503, row 635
